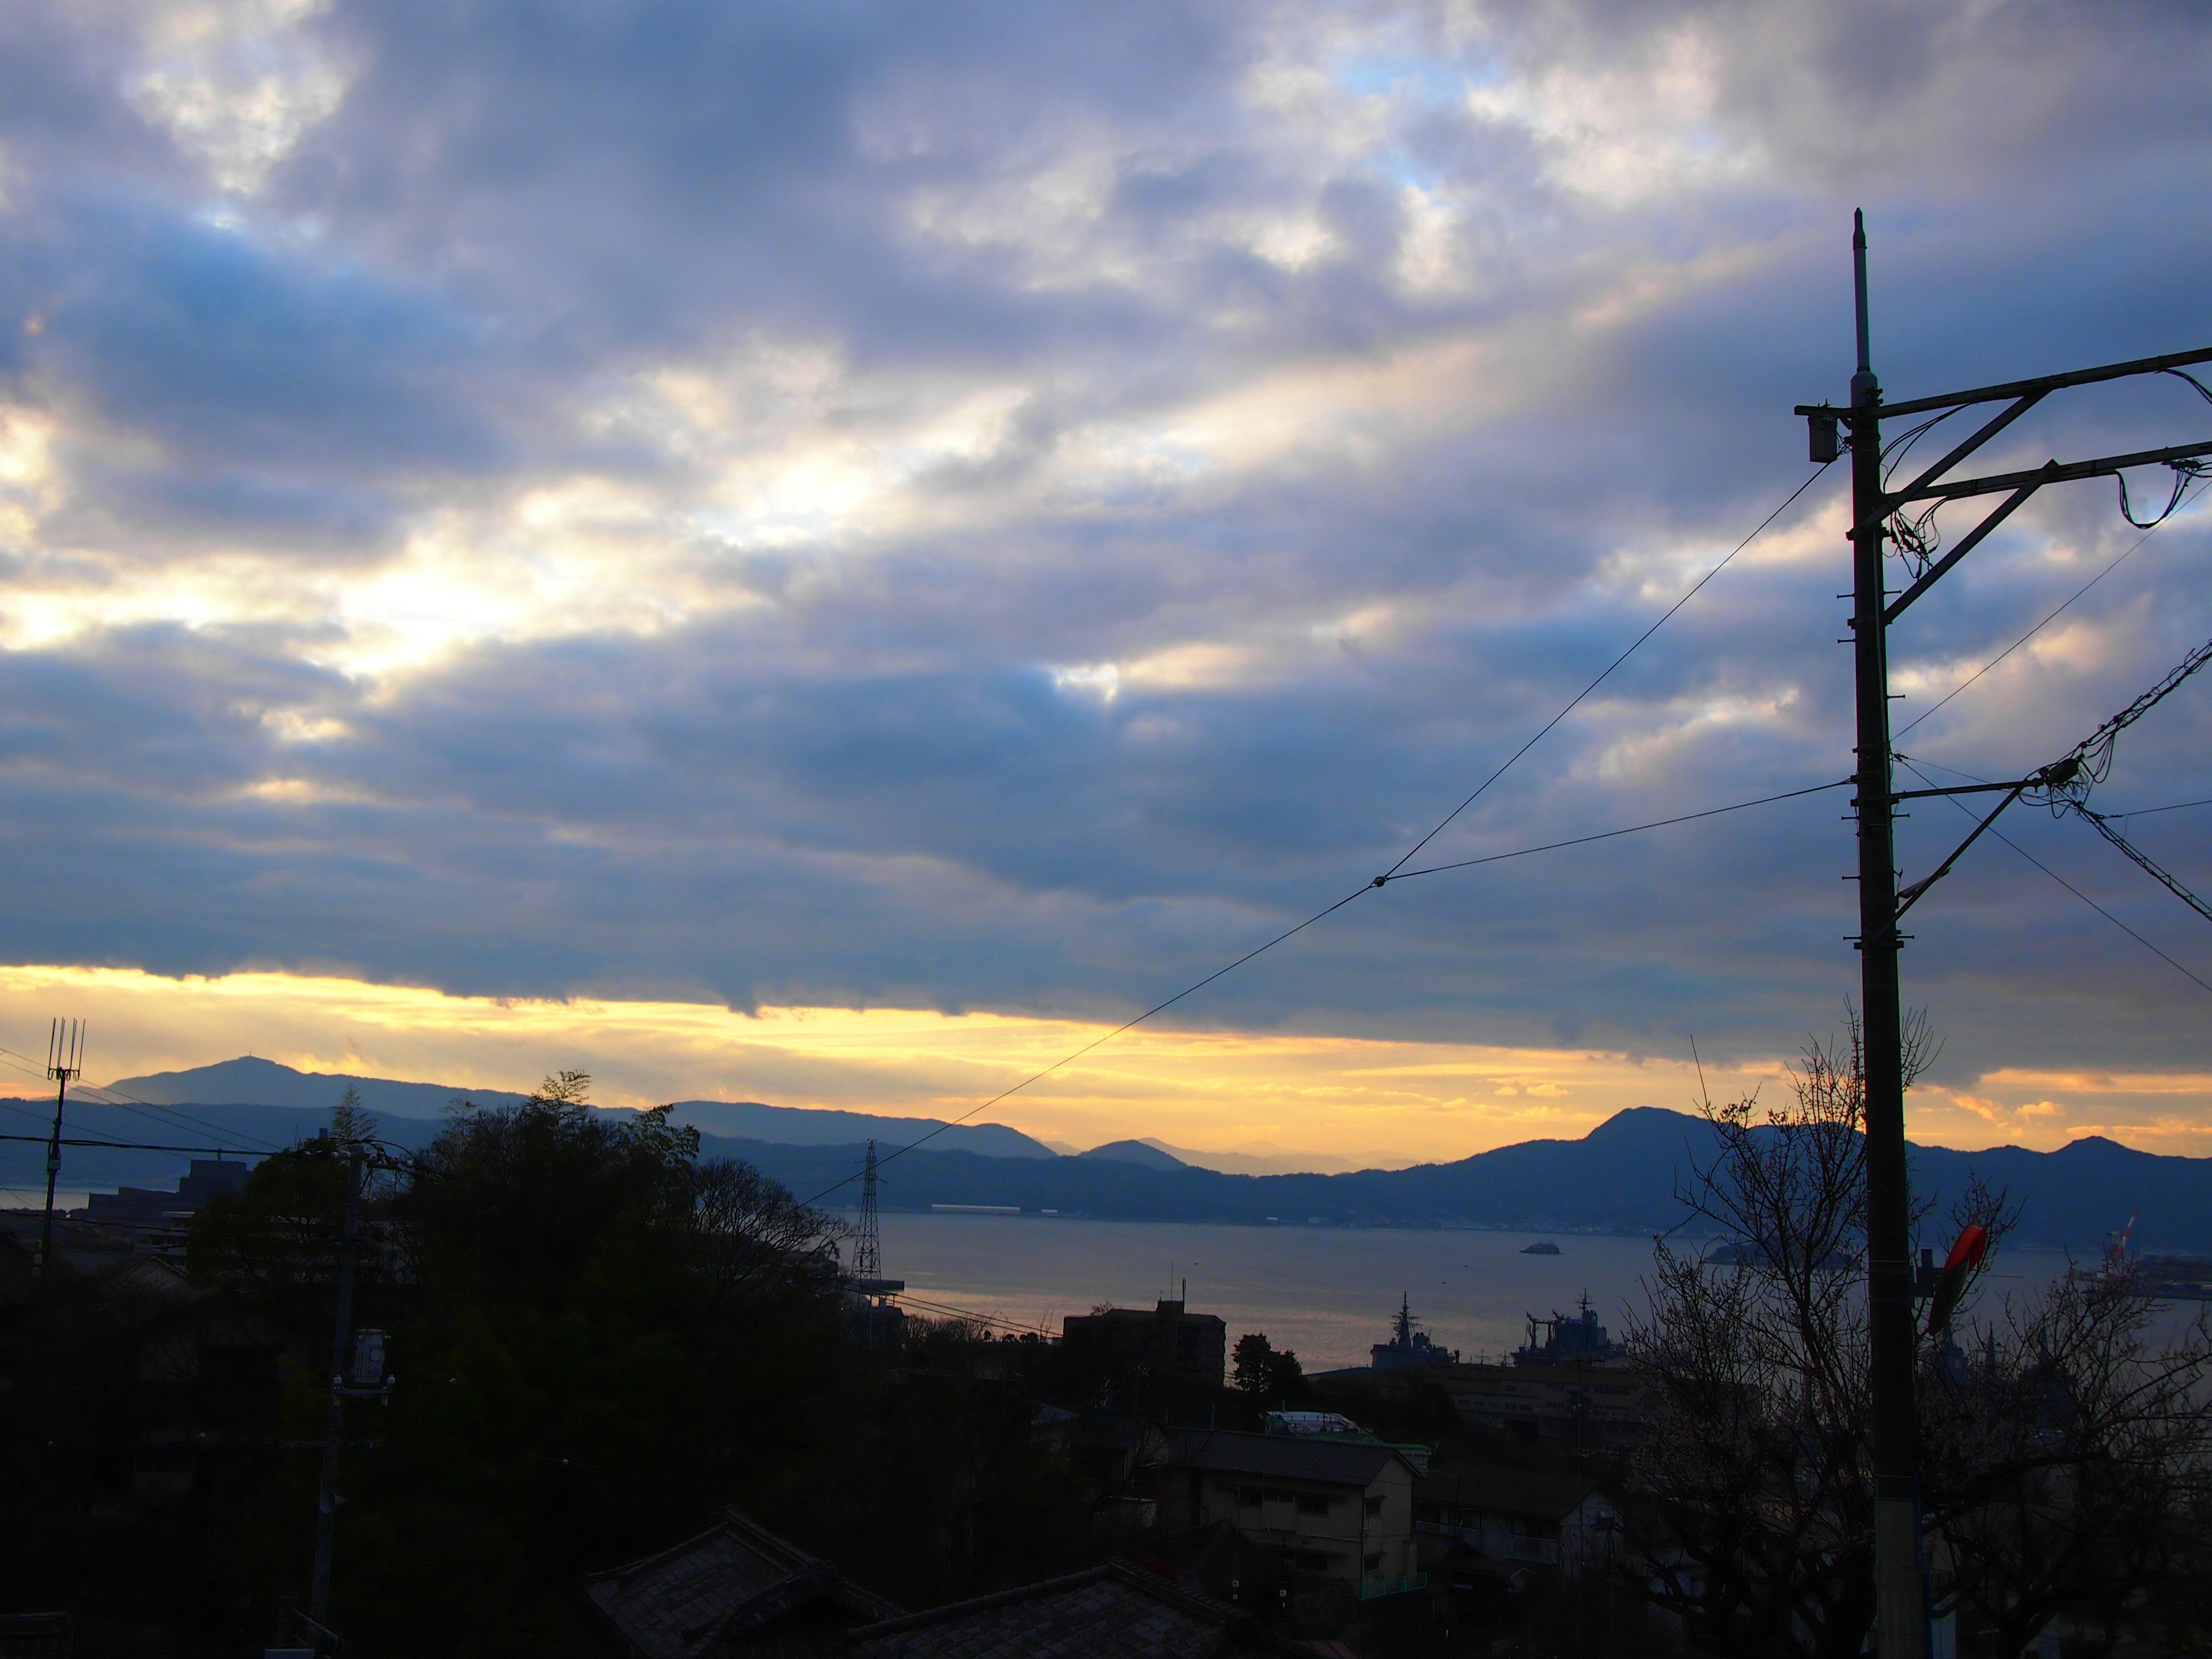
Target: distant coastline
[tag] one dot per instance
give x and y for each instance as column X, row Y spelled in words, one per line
column 1619, row 1180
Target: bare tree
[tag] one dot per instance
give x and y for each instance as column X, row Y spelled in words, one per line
column 1755, row 1531
column 2058, row 1460
column 2066, row 1459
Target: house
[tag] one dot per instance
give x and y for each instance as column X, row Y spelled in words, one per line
column 1521, row 1517
column 91, row 1251
column 1115, row 1611
column 735, row 1590
column 1170, row 1341
column 1341, row 1508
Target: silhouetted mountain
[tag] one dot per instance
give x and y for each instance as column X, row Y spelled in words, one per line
column 1622, row 1178
column 250, row 1081
column 1265, row 1158
column 807, row 1126
column 1138, row 1152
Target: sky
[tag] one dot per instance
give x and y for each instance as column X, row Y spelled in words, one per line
column 834, row 553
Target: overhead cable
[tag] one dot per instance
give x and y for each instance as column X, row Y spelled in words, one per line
column 2089, row 762
column 138, row 1108
column 2102, row 826
column 1388, row 875
column 2186, row 973
column 1575, row 700
column 1633, row 829
column 2121, row 558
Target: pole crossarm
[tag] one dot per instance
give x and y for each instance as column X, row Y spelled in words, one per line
column 2051, row 472
column 1958, row 789
column 1936, row 572
column 1909, row 897
column 2019, row 407
column 2064, row 785
column 2044, row 384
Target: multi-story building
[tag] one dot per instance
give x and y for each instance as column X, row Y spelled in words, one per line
column 1557, row 1518
column 1170, row 1341
column 1341, row 1507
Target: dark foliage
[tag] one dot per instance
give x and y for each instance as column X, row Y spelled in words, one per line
column 598, row 1338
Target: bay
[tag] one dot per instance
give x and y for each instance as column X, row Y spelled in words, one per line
column 1326, row 1293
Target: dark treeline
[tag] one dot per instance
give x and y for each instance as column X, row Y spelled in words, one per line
column 599, row 1338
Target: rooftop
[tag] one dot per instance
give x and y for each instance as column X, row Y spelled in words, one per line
column 1548, row 1494
column 734, row 1578
column 1290, row 1457
column 1113, row 1612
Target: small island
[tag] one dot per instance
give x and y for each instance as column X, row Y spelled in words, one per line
column 1541, row 1246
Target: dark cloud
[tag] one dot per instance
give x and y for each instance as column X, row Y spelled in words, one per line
column 1277, row 553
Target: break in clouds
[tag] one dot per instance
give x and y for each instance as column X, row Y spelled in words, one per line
column 1009, row 506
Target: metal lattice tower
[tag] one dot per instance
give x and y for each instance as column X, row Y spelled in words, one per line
column 867, row 1251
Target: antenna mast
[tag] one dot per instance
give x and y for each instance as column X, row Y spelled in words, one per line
column 64, row 1063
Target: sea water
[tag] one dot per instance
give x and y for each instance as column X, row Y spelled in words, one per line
column 1328, row 1293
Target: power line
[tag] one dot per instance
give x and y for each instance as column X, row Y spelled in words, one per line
column 946, row 1309
column 1577, row 700
column 1633, row 829
column 2145, row 811
column 133, row 1145
column 1379, row 881
column 2144, row 861
column 2061, row 880
column 1579, row 841
column 132, row 1103
column 2032, row 632
column 1068, row 1058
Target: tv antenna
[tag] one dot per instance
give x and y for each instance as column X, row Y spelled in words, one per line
column 64, row 1064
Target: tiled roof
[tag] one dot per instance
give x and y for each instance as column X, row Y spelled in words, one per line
column 1285, row 1457
column 734, row 1576
column 1113, row 1612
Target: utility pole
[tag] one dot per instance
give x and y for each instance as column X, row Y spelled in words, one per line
column 65, row 1062
column 326, row 1517
column 1901, row 1581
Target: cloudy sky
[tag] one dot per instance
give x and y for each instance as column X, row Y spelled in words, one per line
column 824, row 552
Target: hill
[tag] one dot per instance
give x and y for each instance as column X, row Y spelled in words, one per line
column 251, row 1081
column 1622, row 1177
column 1141, row 1153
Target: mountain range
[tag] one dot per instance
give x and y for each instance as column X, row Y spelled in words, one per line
column 1623, row 1176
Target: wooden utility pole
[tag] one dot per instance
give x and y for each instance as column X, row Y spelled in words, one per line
column 64, row 1063
column 327, row 1517
column 1901, row 1581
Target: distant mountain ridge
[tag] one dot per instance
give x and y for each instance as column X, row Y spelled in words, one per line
column 1622, row 1177
column 251, row 1081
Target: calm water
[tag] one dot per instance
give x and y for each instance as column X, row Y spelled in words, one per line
column 1327, row 1293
